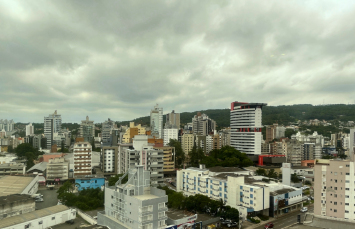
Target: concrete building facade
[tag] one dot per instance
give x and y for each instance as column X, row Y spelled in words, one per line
column 82, row 158
column 52, row 124
column 57, row 169
column 172, row 120
column 30, row 129
column 170, row 134
column 334, row 189
column 203, row 125
column 87, row 130
column 187, row 142
column 156, row 120
column 246, row 125
column 109, row 160
column 135, row 204
column 16, row 204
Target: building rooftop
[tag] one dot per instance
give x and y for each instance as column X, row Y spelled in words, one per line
column 225, row 169
column 175, row 214
column 198, row 169
column 40, row 166
column 12, row 165
column 11, row 221
column 281, row 191
column 146, row 197
column 299, row 167
column 13, row 184
column 14, row 198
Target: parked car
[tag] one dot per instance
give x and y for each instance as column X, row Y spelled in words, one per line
column 227, row 221
column 234, row 224
column 269, row 225
column 69, row 221
column 311, row 197
column 304, row 209
column 39, row 200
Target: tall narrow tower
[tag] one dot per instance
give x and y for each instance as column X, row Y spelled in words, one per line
column 245, row 123
column 156, row 120
column 52, row 124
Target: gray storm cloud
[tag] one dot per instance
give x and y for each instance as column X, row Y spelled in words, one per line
column 118, row 58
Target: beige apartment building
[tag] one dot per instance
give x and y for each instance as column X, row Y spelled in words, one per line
column 334, row 189
column 82, row 158
column 57, row 169
column 169, row 158
column 132, row 131
column 187, row 142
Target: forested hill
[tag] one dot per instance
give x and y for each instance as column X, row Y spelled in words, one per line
column 273, row 114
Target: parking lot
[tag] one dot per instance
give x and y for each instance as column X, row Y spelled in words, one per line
column 49, row 198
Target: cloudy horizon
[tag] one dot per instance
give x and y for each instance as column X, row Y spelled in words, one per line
column 117, row 59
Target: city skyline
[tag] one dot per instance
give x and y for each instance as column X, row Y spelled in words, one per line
column 114, row 60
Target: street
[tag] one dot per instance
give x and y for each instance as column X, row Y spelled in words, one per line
column 288, row 218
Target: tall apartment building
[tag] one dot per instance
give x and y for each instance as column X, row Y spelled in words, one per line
column 314, row 138
column 151, row 159
column 274, row 131
column 225, row 136
column 203, row 125
column 87, row 130
column 294, row 152
column 34, row 140
column 52, row 124
column 169, row 159
column 352, row 143
column 216, row 142
column 170, row 134
column 172, row 120
column 334, row 189
column 7, row 125
column 312, row 151
column 156, row 120
column 106, row 132
column 82, row 158
column 245, row 122
column 187, row 142
column 30, row 129
column 135, row 204
column 57, row 169
column 109, row 160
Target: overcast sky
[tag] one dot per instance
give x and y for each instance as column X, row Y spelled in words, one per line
column 117, row 59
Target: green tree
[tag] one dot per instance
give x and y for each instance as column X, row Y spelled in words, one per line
column 272, row 174
column 294, row 178
column 179, row 153
column 195, row 156
column 23, row 148
column 289, row 133
column 260, row 172
column 29, row 157
column 10, row 149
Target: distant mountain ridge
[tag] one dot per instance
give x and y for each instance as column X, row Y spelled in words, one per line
column 272, row 114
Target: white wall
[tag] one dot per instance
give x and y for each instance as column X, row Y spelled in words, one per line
column 47, row 221
column 32, row 188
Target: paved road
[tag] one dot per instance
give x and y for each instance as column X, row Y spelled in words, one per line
column 288, row 219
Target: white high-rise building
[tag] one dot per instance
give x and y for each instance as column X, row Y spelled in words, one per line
column 156, row 120
column 170, row 134
column 52, row 124
column 351, row 143
column 246, row 125
column 30, row 130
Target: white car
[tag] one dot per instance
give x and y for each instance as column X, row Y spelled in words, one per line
column 304, row 209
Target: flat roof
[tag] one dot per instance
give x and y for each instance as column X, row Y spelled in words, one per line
column 299, row 167
column 146, row 197
column 225, row 169
column 281, row 191
column 12, row 165
column 175, row 214
column 13, row 184
column 14, row 198
column 11, row 221
column 198, row 169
